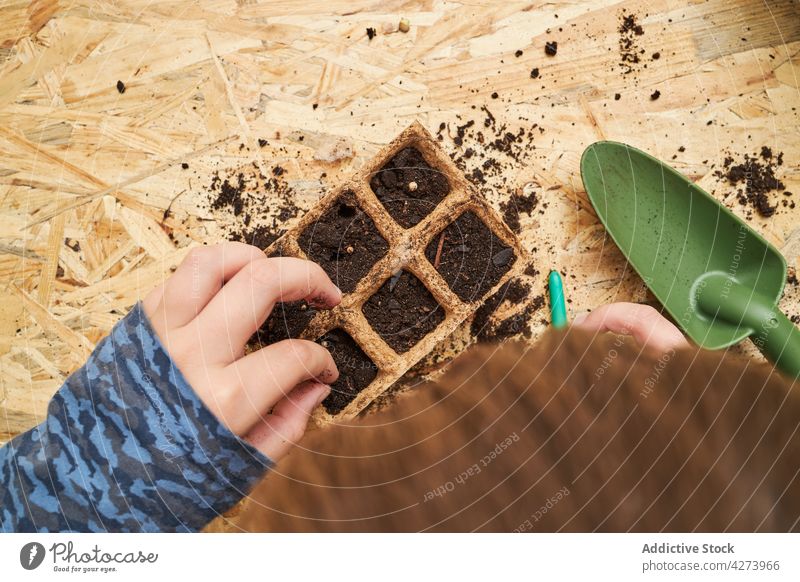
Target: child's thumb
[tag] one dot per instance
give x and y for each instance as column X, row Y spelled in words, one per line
column 287, row 422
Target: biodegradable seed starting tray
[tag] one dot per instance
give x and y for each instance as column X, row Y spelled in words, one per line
column 414, row 248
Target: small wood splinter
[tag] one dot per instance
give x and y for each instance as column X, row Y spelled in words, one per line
column 438, row 256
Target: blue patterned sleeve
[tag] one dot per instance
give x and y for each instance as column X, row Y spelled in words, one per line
column 127, row 445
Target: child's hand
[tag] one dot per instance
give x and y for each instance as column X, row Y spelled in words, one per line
column 643, row 322
column 206, row 312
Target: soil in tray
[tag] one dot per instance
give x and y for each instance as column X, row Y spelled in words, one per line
column 470, row 257
column 408, row 187
column 403, row 311
column 286, row 321
column 345, row 242
column 356, row 369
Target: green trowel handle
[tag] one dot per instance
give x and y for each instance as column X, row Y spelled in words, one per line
column 773, row 333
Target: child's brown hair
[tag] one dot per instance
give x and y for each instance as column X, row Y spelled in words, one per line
column 577, row 433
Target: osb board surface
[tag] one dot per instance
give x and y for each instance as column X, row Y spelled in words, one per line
column 87, row 173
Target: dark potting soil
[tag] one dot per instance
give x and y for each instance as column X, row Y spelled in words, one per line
column 356, row 369
column 517, row 204
column 286, row 321
column 629, row 50
column 791, row 279
column 240, row 194
column 345, row 242
column 481, row 321
column 485, row 328
column 755, row 176
column 403, row 311
column 469, row 256
column 408, row 187
column 260, row 236
column 519, row 323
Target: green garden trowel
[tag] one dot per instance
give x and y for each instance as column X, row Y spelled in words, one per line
column 717, row 277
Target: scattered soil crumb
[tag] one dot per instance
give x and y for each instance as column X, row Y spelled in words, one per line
column 629, row 50
column 488, row 151
column 519, row 202
column 755, row 177
column 791, row 279
column 485, row 327
column 251, row 207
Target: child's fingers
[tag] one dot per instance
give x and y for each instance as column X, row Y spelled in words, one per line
column 241, row 307
column 280, row 430
column 643, row 322
column 272, row 372
column 200, row 276
column 152, row 299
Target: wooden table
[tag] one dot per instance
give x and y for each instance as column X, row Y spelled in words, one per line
column 87, row 172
